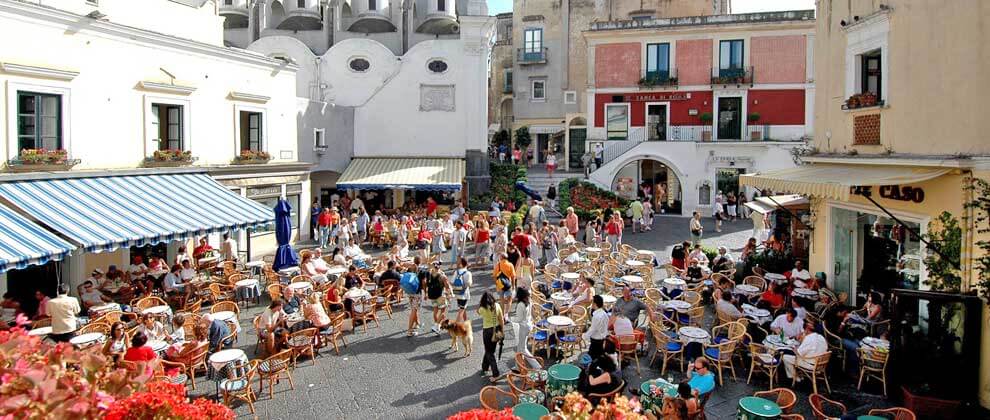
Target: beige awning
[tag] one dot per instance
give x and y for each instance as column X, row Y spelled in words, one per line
column 428, row 174
column 835, row 181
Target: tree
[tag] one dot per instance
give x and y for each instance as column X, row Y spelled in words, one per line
column 501, row 138
column 943, row 266
column 522, row 138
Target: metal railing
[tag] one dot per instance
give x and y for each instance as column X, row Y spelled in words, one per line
column 732, row 76
column 532, row 56
column 662, row 78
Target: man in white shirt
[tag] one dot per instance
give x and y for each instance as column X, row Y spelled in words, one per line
column 91, row 297
column 799, row 275
column 228, row 249
column 138, row 269
column 812, row 345
column 788, row 323
column 458, row 212
column 621, row 326
column 63, row 310
column 188, row 273
column 174, row 285
column 356, row 204
column 598, row 331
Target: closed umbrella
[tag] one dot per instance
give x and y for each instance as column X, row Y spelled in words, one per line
column 285, row 256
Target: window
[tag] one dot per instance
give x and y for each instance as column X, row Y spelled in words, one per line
column 437, row 66
column 39, row 121
column 228, row 2
column 301, row 4
column 870, row 73
column 570, row 97
column 251, row 131
column 658, row 61
column 539, row 90
column 441, row 5
column 730, row 58
column 507, row 88
column 617, row 121
column 533, row 44
column 372, row 5
column 166, row 121
column 641, row 18
column 359, row 65
column 319, row 139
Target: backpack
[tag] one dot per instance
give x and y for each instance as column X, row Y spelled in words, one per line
column 502, row 281
column 409, row 282
column 458, row 284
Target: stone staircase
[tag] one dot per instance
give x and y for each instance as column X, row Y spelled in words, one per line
column 540, row 181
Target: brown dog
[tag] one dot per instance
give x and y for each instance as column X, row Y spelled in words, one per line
column 459, row 331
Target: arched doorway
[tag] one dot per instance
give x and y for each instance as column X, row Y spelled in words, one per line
column 653, row 179
column 577, row 134
column 276, row 15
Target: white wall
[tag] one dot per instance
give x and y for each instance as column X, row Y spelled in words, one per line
column 199, row 18
column 695, row 163
column 106, row 112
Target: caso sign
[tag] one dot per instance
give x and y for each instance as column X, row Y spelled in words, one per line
column 894, row 192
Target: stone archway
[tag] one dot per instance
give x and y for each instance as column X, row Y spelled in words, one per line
column 655, row 177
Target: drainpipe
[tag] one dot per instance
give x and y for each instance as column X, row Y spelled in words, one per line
column 968, row 251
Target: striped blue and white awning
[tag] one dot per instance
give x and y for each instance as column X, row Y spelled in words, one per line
column 25, row 243
column 106, row 213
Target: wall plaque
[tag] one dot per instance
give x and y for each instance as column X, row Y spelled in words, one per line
column 436, row 98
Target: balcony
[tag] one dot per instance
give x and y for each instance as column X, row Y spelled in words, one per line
column 659, row 79
column 234, row 7
column 733, row 76
column 528, row 56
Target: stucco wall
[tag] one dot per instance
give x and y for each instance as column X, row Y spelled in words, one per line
column 778, row 59
column 200, row 21
column 617, row 65
column 694, row 61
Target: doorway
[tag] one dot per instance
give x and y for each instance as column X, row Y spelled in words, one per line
column 727, row 180
column 843, row 252
column 730, row 118
column 656, row 122
column 576, row 147
column 542, row 143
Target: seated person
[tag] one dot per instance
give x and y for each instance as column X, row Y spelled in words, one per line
column 861, row 319
column 727, row 308
column 338, row 257
column 723, row 261
column 788, row 323
column 178, row 333
column 773, row 298
column 796, row 305
column 178, row 350
column 270, row 321
column 424, row 238
column 188, row 273
column 308, row 267
column 678, row 256
column 42, row 298
column 91, row 297
column 683, row 407
column 600, row 377
column 799, row 276
column 812, row 345
column 139, row 273
column 700, row 379
column 202, row 250
column 290, row 302
column 139, row 351
column 389, row 275
column 116, row 344
column 10, row 305
column 696, row 272
column 351, row 279
column 152, row 328
column 698, row 254
column 173, row 284
column 217, row 334
column 354, row 252
column 581, row 295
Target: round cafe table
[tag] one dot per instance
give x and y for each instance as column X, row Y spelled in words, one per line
column 256, row 267
column 746, row 290
column 160, row 311
column 560, row 321
column 774, row 342
column 88, row 339
column 303, row 287
column 759, row 315
column 219, row 361
column 248, row 289
column 650, row 401
column 776, row 278
column 529, row 411
column 694, row 334
column 40, row 331
column 96, row 311
column 805, row 293
column 561, row 298
column 563, row 379
column 159, row 346
column 672, row 283
column 634, row 282
column 635, row 264
column 754, row 408
column 677, row 305
column 609, row 300
column 357, row 294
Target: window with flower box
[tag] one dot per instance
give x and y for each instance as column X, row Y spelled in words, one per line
column 39, row 121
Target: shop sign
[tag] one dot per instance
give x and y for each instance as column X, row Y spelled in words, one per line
column 893, row 192
column 293, row 189
column 274, row 190
column 656, row 97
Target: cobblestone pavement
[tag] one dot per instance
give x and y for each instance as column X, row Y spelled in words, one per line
column 384, row 374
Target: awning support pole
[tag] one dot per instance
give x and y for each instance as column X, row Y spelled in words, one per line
column 928, row 245
column 793, row 216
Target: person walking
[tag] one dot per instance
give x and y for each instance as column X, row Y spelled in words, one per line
column 636, row 208
column 412, row 283
column 492, row 324
column 504, row 276
column 325, row 222
column 551, row 163
column 599, row 155
column 598, row 331
column 696, row 229
column 522, row 324
column 458, row 242
column 730, row 206
column 314, row 216
column 461, row 286
column 572, row 223
column 436, row 286
column 363, row 220
column 613, row 230
column 63, row 310
column 552, row 197
column 482, row 243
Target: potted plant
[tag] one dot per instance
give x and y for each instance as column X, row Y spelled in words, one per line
column 252, row 157
column 41, row 160
column 853, row 102
column 647, row 82
column 706, row 119
column 868, row 99
column 169, row 157
column 754, row 133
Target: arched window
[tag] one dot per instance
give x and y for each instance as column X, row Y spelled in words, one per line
column 705, row 194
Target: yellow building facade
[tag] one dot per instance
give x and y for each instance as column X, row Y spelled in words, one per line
column 896, row 140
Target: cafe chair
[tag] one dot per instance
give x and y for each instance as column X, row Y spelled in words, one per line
column 785, row 398
column 595, row 398
column 238, row 384
column 536, row 378
column 692, row 297
column 721, row 356
column 759, row 271
column 667, row 345
column 757, row 281
column 520, row 385
column 273, row 369
column 383, row 297
column 835, row 345
column 494, row 398
column 872, row 364
column 364, row 311
column 627, row 348
column 791, row 417
column 221, row 292
column 894, row 413
column 334, row 332
column 46, row 322
column 188, row 360
column 148, row 302
column 764, row 360
column 824, row 408
column 257, row 327
column 303, row 342
column 95, row 327
column 193, row 306
column 812, row 368
column 225, row 305
column 694, row 317
column 572, row 340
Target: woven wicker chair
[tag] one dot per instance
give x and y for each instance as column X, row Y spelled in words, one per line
column 813, row 368
column 220, row 292
column 335, row 332
column 94, row 327
column 668, row 347
column 721, row 355
column 303, row 342
column 273, row 369
column 149, row 302
column 895, row 413
column 595, row 398
column 824, row 408
column 188, row 360
column 494, row 398
column 873, row 364
column 763, row 359
column 627, row 348
column 364, row 311
column 756, row 281
column 238, row 385
column 785, row 398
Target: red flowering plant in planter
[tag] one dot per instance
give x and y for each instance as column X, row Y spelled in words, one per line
column 483, row 414
column 172, row 155
column 576, row 407
column 162, row 400
column 248, row 156
column 42, row 156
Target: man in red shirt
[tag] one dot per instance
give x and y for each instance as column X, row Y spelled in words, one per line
column 431, row 206
column 614, row 231
column 324, row 221
column 521, row 241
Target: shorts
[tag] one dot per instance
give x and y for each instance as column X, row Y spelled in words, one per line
column 438, row 303
column 507, row 294
column 462, row 303
column 414, row 301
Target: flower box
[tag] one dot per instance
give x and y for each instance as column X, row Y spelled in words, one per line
column 169, row 158
column 251, row 157
column 862, row 100
column 31, row 160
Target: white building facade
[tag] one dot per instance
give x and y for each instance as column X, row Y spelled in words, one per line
column 119, row 86
column 382, row 80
